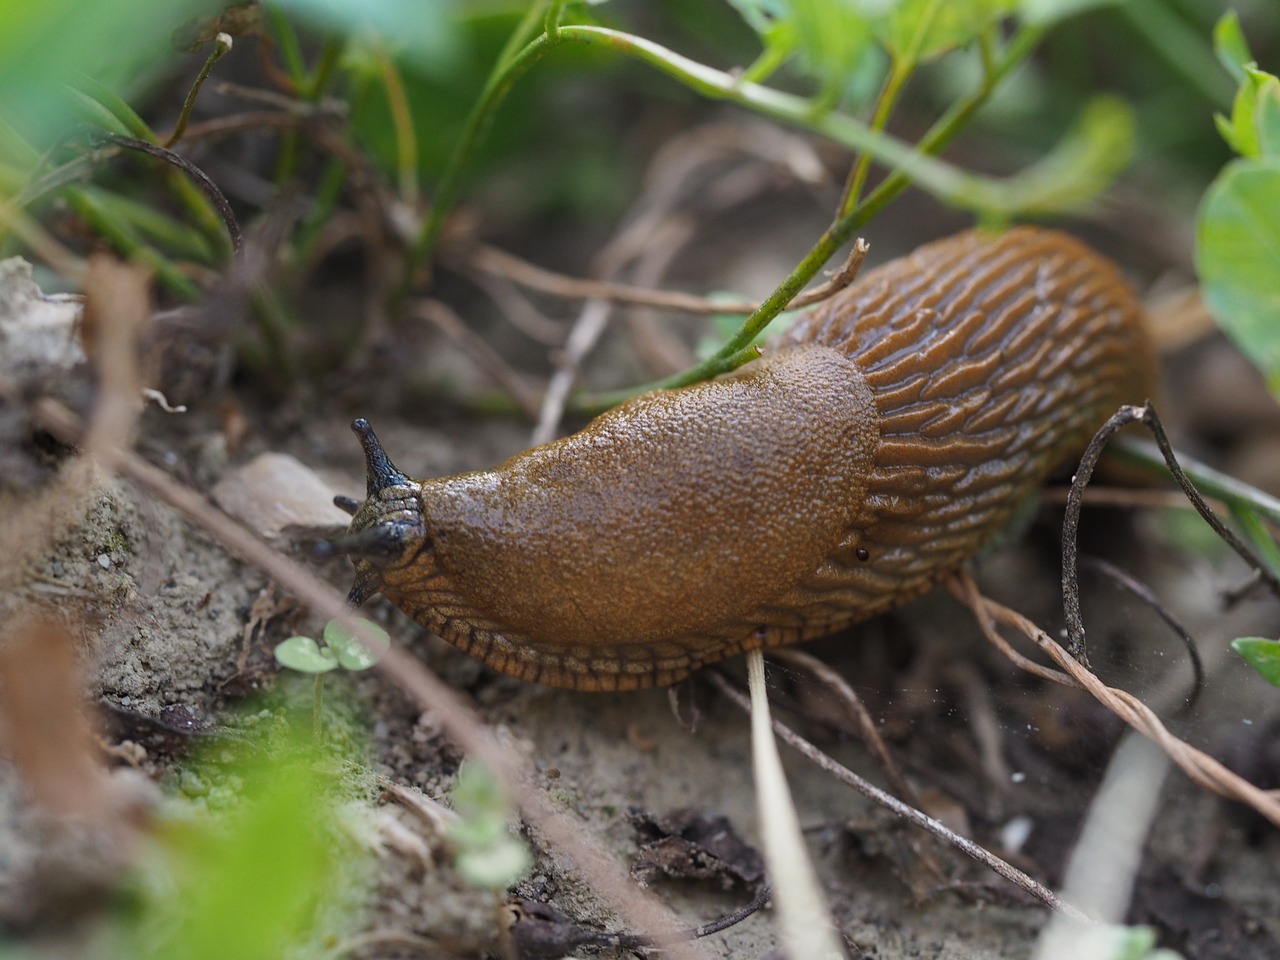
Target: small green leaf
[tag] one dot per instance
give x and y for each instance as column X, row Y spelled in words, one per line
column 920, row 30
column 1261, row 654
column 486, row 853
column 833, row 35
column 477, row 792
column 495, row 867
column 1230, row 45
column 351, row 653
column 1238, row 258
column 1266, row 115
column 1044, row 12
column 254, row 882
column 305, row 656
column 1243, row 131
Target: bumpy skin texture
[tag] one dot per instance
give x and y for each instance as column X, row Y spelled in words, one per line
column 887, row 439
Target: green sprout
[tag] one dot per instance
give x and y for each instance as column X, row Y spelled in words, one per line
column 341, row 649
column 486, row 855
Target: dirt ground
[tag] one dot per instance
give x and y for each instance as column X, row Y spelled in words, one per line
column 166, row 613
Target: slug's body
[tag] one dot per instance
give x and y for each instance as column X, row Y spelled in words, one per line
column 888, row 438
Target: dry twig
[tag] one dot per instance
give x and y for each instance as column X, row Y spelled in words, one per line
column 502, row 264
column 863, row 724
column 1199, row 766
column 489, row 360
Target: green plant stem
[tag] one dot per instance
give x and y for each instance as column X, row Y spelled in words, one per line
column 181, row 239
column 104, row 97
column 1210, row 482
column 290, row 49
column 317, row 707
column 899, row 71
column 1257, row 536
column 512, row 64
column 323, row 73
column 739, row 348
column 96, row 95
column 1181, row 46
column 221, row 45
column 1031, row 188
column 555, row 11
column 402, row 124
column 307, row 87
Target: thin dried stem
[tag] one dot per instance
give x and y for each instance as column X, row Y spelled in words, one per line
column 863, row 724
column 901, row 809
column 489, row 360
column 500, row 263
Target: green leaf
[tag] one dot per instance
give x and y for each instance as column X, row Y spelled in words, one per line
column 1266, row 114
column 1238, row 259
column 914, row 31
column 1043, row 12
column 1242, row 132
column 486, row 853
column 1230, row 45
column 44, row 45
column 305, row 656
column 425, row 32
column 833, row 36
column 351, row 653
column 1261, row 654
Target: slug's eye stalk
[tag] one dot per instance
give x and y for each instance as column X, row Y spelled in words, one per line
column 381, row 472
column 386, row 528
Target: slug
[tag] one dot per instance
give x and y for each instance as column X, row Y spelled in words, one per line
column 886, row 438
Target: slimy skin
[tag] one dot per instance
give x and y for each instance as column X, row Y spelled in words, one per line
column 886, row 439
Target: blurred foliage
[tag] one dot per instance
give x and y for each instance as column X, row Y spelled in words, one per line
column 1238, row 231
column 266, row 871
column 566, row 142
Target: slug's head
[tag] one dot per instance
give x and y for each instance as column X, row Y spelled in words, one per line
column 387, row 530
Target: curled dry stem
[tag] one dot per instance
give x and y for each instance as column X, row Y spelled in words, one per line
column 1126, row 415
column 1199, row 766
column 197, row 176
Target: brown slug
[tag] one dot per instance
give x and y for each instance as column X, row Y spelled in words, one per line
column 888, row 436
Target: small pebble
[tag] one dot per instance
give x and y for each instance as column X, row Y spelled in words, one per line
column 104, row 561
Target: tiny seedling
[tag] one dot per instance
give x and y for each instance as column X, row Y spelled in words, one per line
column 341, row 649
column 486, row 855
